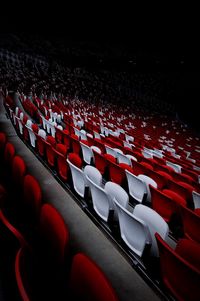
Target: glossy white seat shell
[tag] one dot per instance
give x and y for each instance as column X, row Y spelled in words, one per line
column 148, row 181
column 137, row 188
column 154, row 222
column 94, row 174
column 134, row 231
column 87, row 153
column 101, row 201
column 78, row 178
column 196, row 199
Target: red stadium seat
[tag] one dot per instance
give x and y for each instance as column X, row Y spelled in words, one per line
column 191, row 224
column 180, row 276
column 88, row 282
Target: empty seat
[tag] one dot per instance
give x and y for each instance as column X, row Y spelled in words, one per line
column 54, row 234
column 94, row 174
column 178, row 275
column 148, row 181
column 191, row 223
column 88, row 282
column 18, row 171
column 41, row 272
column 121, row 158
column 116, row 191
column 78, row 177
column 155, row 224
column 176, row 167
column 134, row 231
column 137, row 188
column 163, row 204
column 9, row 154
column 3, row 139
column 196, row 199
column 87, row 153
column 32, row 200
column 101, row 200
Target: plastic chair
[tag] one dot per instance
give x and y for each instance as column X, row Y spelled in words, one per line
column 78, row 178
column 32, row 136
column 9, row 154
column 155, row 224
column 110, row 151
column 18, row 171
column 32, row 195
column 196, row 199
column 137, row 188
column 88, row 281
column 176, row 167
column 101, row 201
column 121, row 158
column 54, row 234
column 148, row 181
column 116, row 191
column 100, row 162
column 87, row 153
column 134, row 231
column 3, row 139
column 62, row 165
column 116, row 173
column 178, row 275
column 94, row 174
column 191, row 223
column 163, row 204
column 50, row 154
column 40, row 272
column 189, row 250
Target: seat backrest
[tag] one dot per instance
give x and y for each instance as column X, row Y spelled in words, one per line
column 111, row 151
column 196, row 199
column 155, row 224
column 32, row 194
column 42, row 133
column 134, row 231
column 116, row 191
column 75, row 160
column 88, row 281
column 123, row 159
column 191, row 223
column 176, row 167
column 100, row 162
column 29, row 123
column 87, row 153
column 102, row 203
column 137, row 188
column 9, row 153
column 189, row 250
column 18, row 170
column 148, row 181
column 32, row 136
column 94, row 174
column 147, row 153
column 162, row 204
column 54, row 233
column 3, row 139
column 78, row 177
column 95, row 149
column 179, row 276
column 116, row 173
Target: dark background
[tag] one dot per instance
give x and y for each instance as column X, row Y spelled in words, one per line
column 163, row 38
